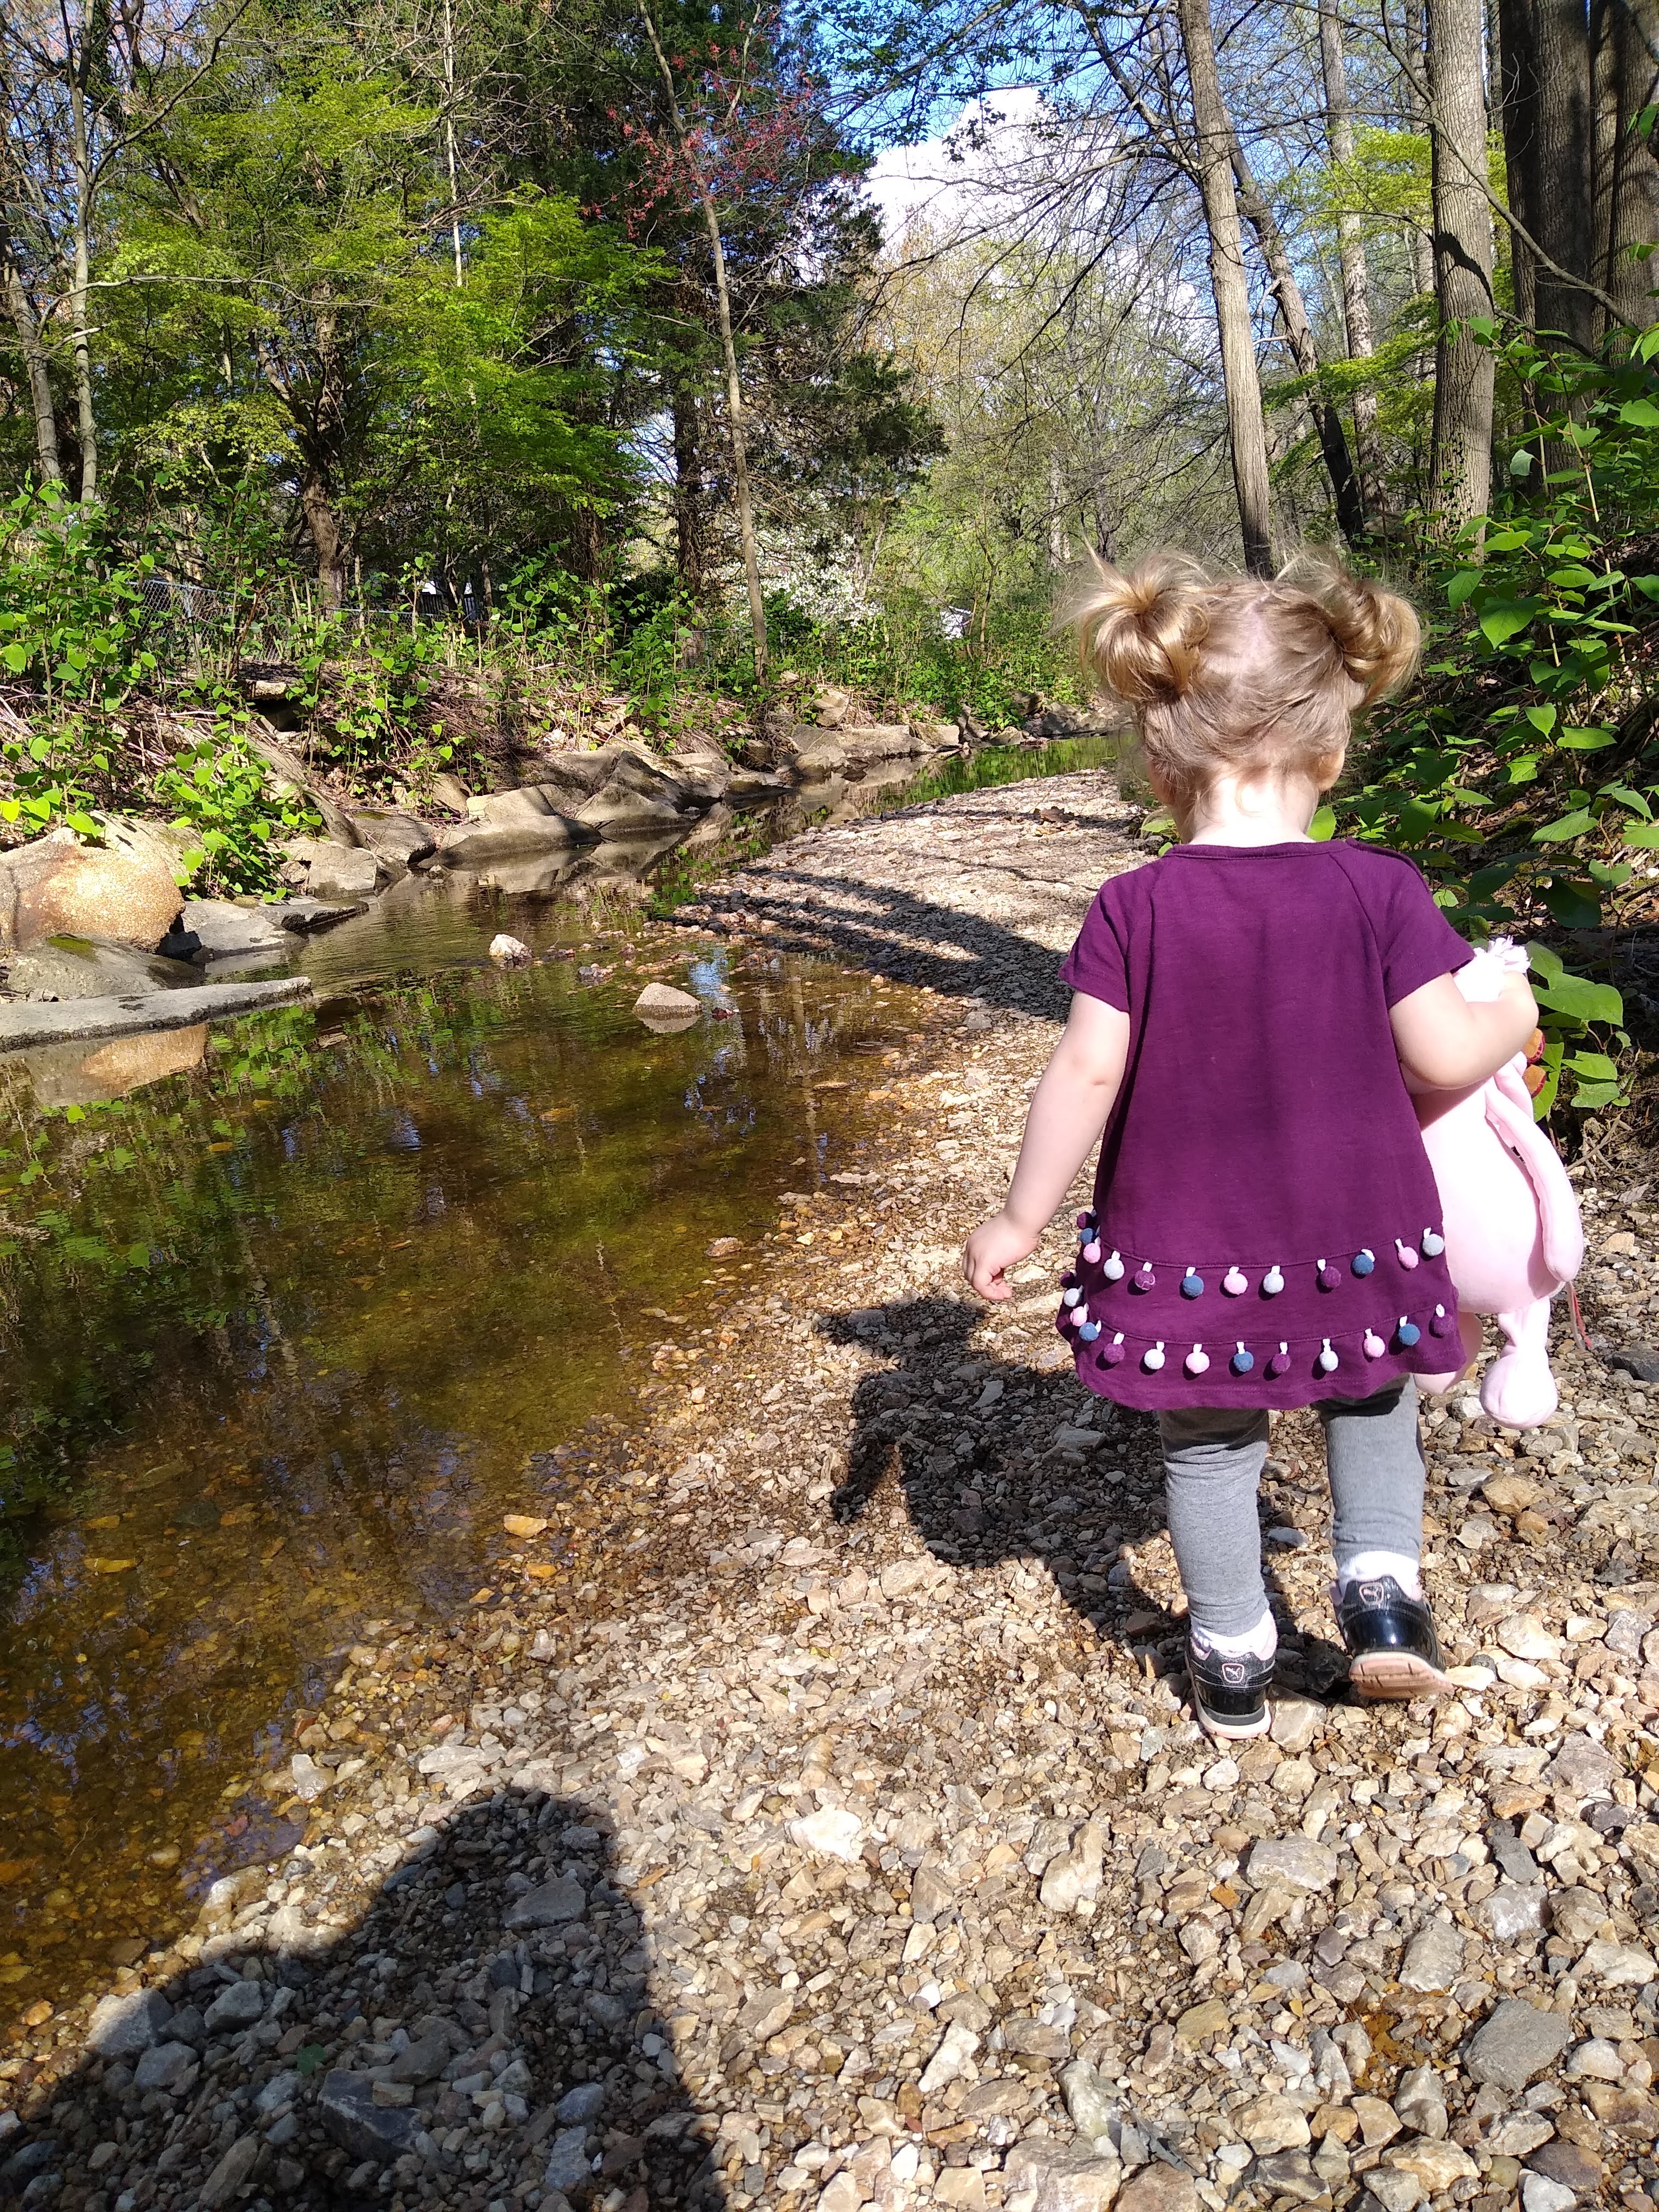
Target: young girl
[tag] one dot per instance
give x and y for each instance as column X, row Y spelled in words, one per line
column 1266, row 1230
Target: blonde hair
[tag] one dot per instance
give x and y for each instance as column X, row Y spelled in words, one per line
column 1233, row 674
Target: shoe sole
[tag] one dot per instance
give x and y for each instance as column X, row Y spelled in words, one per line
column 1396, row 1676
column 1229, row 1731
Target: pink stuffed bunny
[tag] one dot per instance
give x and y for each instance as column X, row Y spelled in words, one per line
column 1513, row 1234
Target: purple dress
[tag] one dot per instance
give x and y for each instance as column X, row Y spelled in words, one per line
column 1266, row 1229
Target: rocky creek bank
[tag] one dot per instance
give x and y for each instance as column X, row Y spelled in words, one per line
column 817, row 1820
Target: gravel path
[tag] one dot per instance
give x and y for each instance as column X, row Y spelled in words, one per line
column 856, row 1849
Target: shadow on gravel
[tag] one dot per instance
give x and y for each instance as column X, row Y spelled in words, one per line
column 1021, row 1477
column 914, row 940
column 485, row 2036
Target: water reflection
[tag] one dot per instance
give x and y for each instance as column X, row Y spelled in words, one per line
column 282, row 1329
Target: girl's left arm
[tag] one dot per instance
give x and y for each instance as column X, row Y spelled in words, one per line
column 1069, row 1109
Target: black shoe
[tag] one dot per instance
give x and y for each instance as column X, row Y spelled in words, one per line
column 1229, row 1691
column 1393, row 1650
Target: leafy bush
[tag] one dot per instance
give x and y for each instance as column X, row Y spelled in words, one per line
column 1523, row 772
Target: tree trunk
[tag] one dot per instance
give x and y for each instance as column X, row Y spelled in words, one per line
column 1516, row 92
column 21, row 312
column 1416, row 112
column 1625, row 184
column 690, row 519
column 1298, row 336
column 1351, row 252
column 80, row 290
column 1549, row 135
column 1460, row 466
column 1247, row 433
column 734, row 409
column 326, row 537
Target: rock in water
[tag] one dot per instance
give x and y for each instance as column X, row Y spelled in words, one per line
column 510, row 951
column 343, row 872
column 662, row 1008
column 55, row 887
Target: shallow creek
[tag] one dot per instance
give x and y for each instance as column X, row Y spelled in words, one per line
column 281, row 1328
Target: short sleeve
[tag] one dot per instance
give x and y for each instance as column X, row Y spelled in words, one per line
column 1098, row 964
column 1416, row 941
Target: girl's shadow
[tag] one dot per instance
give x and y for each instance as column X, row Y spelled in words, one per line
column 999, row 1460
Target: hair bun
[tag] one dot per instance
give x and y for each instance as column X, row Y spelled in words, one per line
column 1139, row 631
column 1376, row 632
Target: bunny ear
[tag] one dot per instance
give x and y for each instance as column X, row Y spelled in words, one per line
column 1509, row 1117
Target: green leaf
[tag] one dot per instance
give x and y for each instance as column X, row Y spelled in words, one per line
column 1648, row 586
column 1626, row 797
column 1596, row 1065
column 1612, row 875
column 1588, row 1096
column 1587, row 741
column 1645, row 835
column 309, row 2057
column 1506, row 618
column 1640, row 414
column 1462, row 583
column 1543, row 718
column 1323, row 826
column 1564, row 826
column 1578, row 1000
column 1575, row 905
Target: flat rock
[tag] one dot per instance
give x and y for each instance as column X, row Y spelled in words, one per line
column 123, row 2026
column 164, row 2066
column 25, row 1025
column 94, row 968
column 238, row 2005
column 1272, row 2122
column 1292, row 1862
column 224, row 928
column 1434, row 1959
column 1617, row 1966
column 1524, row 1636
column 1515, row 2044
column 1583, row 1768
column 363, row 2128
column 343, row 872
column 1437, row 2166
column 1540, row 2194
column 1159, row 2188
column 307, row 917
column 1571, row 2164
column 552, row 1905
column 1512, row 1910
column 395, row 835
column 834, row 1833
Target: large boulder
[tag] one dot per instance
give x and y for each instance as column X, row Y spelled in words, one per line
column 511, row 826
column 883, row 741
column 343, row 872
column 392, row 835
column 223, row 929
column 67, row 967
column 53, row 887
column 704, row 775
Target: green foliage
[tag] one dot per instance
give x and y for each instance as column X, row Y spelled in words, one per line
column 1523, row 773
column 72, row 615
column 220, row 790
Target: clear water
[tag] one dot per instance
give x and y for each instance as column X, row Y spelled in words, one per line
column 281, row 1327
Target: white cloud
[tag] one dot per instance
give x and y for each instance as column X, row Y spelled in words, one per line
column 953, row 179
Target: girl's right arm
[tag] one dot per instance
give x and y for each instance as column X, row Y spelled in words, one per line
column 1448, row 1044
column 1068, row 1111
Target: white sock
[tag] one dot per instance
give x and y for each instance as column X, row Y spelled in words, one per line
column 1369, row 1566
column 1262, row 1641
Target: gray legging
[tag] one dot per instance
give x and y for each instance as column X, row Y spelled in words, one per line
column 1212, row 1461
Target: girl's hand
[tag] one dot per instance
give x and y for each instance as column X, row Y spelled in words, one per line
column 995, row 1246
